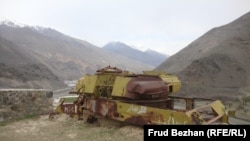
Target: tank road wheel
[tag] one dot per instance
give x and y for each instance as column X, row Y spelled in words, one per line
column 88, row 117
column 92, row 119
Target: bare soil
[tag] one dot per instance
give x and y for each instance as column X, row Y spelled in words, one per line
column 64, row 128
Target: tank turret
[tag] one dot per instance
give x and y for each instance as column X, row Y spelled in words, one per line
column 112, row 82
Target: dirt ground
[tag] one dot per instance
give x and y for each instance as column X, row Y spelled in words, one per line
column 242, row 111
column 63, row 128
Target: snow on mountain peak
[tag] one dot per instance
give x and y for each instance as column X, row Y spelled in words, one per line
column 11, row 23
column 39, row 28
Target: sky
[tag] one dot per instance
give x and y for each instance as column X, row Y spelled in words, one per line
column 166, row 26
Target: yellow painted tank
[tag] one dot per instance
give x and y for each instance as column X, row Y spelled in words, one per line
column 113, row 82
column 146, row 98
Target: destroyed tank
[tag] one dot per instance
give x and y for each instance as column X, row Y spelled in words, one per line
column 140, row 99
column 115, row 83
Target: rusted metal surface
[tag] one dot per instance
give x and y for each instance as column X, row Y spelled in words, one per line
column 165, row 103
column 141, row 115
column 146, row 88
column 138, row 120
column 109, row 69
column 142, row 112
column 102, row 107
column 69, row 108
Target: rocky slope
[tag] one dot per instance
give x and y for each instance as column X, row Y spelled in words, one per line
column 217, row 63
column 23, row 71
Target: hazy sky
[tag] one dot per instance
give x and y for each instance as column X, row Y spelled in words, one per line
column 166, row 26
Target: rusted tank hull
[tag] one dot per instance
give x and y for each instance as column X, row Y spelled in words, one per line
column 140, row 113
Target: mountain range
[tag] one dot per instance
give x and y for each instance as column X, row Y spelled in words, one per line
column 38, row 57
column 217, row 64
column 150, row 57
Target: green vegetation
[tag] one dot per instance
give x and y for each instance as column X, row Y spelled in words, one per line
column 246, row 99
column 31, row 116
column 69, row 99
column 27, row 117
column 3, row 123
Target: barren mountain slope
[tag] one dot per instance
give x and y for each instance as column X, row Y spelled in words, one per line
column 23, row 71
column 66, row 57
column 217, row 63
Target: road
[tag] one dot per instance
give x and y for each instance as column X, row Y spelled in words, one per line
column 61, row 92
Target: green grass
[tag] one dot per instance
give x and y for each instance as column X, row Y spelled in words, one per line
column 246, row 99
column 27, row 117
column 31, row 116
column 69, row 99
column 3, row 123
